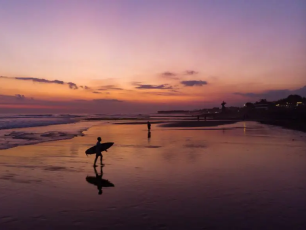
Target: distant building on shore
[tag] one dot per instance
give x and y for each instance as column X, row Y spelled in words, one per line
column 263, row 104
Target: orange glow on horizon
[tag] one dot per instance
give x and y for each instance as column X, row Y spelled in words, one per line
column 25, row 106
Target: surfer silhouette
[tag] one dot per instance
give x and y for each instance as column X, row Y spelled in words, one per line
column 98, row 152
column 149, row 125
column 99, row 181
column 149, row 134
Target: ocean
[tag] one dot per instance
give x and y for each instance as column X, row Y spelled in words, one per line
column 25, row 129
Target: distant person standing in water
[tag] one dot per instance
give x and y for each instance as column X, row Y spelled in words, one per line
column 98, row 152
column 149, row 125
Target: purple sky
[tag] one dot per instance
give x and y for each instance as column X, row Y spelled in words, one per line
column 149, row 55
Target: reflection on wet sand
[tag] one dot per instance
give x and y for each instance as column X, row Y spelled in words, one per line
column 99, row 181
column 245, row 180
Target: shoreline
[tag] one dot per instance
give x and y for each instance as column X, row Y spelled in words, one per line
column 287, row 124
column 59, row 138
column 138, row 123
column 190, row 124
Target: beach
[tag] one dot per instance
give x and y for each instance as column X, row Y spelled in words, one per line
column 243, row 175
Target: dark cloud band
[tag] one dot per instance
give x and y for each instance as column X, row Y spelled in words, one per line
column 71, row 85
column 165, row 86
column 194, row 83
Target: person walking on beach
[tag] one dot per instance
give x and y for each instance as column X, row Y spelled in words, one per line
column 98, row 152
column 149, row 125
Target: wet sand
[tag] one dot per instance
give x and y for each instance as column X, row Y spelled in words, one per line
column 288, row 124
column 249, row 178
column 208, row 123
column 138, row 122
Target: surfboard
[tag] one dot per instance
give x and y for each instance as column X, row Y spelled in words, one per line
column 103, row 147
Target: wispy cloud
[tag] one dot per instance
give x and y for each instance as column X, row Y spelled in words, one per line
column 19, row 96
column 71, row 85
column 109, row 87
column 169, row 75
column 274, row 94
column 164, row 86
column 85, row 87
column 96, row 92
column 106, row 100
column 191, row 72
column 172, row 93
column 194, row 83
column 40, row 80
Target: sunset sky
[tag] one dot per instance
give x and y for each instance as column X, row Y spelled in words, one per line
column 127, row 56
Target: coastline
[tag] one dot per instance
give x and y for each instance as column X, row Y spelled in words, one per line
column 36, row 135
column 287, row 124
column 11, row 138
column 189, row 124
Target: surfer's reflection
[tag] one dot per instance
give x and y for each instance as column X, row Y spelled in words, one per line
column 98, row 181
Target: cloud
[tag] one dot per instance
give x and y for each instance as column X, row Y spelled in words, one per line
column 169, row 75
column 247, row 94
column 164, row 86
column 96, row 92
column 71, row 85
column 40, row 80
column 191, row 72
column 194, row 83
column 172, row 93
column 106, row 100
column 300, row 91
column 274, row 94
column 19, row 96
column 84, row 87
column 109, row 87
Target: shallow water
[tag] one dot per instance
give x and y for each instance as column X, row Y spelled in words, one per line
column 10, row 138
column 242, row 176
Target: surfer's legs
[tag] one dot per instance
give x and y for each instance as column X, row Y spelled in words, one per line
column 96, row 160
column 101, row 159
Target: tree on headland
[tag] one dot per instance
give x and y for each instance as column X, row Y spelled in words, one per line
column 249, row 105
column 262, row 101
column 292, row 100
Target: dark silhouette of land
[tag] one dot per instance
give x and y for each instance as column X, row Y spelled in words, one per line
column 288, row 112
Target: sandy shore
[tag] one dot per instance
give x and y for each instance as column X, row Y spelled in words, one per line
column 171, row 179
column 138, row 122
column 294, row 125
column 209, row 123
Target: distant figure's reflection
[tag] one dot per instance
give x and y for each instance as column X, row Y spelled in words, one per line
column 149, row 135
column 98, row 181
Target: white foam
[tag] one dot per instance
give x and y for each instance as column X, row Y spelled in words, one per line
column 10, row 138
column 22, row 121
